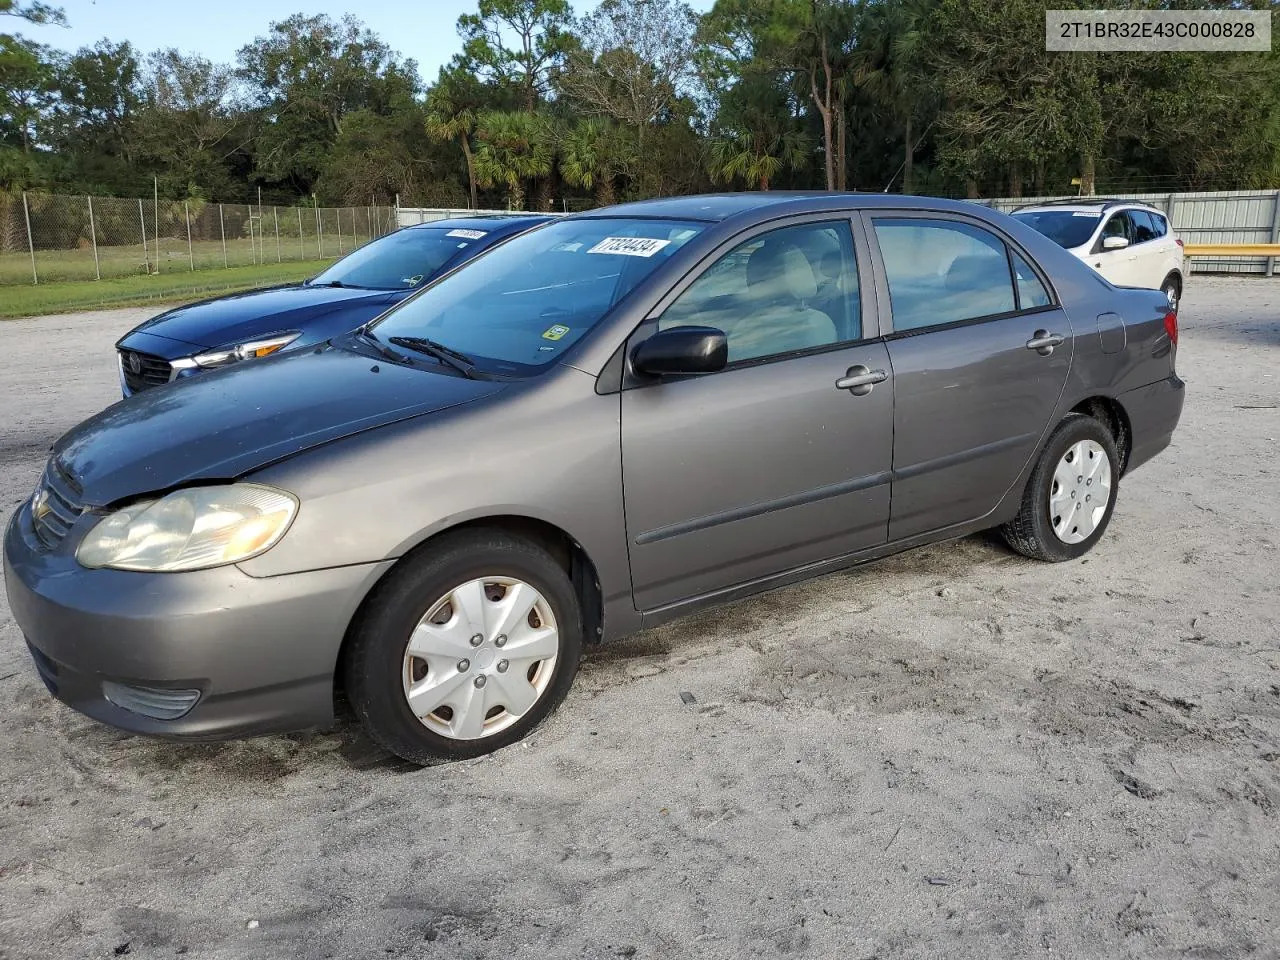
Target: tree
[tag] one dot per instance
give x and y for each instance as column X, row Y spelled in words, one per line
column 376, row 157
column 27, row 89
column 306, row 75
column 34, row 12
column 539, row 30
column 190, row 123
column 635, row 59
column 513, row 148
column 891, row 64
column 756, row 136
column 593, row 154
column 452, row 106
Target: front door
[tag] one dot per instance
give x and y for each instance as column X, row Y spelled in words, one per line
column 767, row 465
column 980, row 354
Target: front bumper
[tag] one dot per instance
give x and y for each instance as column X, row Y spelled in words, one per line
column 261, row 652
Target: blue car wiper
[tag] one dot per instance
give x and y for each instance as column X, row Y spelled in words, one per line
column 383, row 350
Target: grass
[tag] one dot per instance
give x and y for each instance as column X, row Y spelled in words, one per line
column 66, row 296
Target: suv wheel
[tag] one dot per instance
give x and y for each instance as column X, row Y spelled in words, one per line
column 1172, row 289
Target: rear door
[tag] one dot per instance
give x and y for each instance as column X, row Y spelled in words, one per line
column 1148, row 250
column 768, row 464
column 980, row 354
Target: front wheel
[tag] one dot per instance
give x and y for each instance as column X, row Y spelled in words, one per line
column 464, row 648
column 1071, row 493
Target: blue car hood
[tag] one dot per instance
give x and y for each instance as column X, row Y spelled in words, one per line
column 230, row 421
column 242, row 316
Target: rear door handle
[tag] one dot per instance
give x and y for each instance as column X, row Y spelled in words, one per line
column 1044, row 342
column 859, row 380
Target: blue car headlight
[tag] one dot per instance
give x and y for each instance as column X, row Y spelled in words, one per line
column 235, row 352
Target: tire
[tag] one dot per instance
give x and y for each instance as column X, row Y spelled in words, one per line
column 1172, row 289
column 380, row 673
column 1034, row 532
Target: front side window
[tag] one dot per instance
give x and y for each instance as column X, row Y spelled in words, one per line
column 943, row 271
column 782, row 291
column 400, row 261
column 1117, row 226
column 518, row 307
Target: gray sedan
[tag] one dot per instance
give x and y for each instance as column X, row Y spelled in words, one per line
column 608, row 422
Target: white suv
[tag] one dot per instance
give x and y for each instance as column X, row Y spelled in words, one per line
column 1129, row 243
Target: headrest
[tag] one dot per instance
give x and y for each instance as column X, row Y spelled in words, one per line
column 969, row 271
column 779, row 270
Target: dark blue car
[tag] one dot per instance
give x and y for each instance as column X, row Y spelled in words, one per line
column 214, row 333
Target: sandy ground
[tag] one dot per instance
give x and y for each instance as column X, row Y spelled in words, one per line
column 954, row 753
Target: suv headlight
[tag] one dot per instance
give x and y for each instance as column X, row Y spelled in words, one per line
column 190, row 529
column 249, row 350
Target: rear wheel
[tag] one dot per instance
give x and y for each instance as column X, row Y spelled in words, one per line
column 464, row 648
column 1071, row 493
column 1172, row 290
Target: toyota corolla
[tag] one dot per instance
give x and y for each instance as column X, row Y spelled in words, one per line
column 605, row 423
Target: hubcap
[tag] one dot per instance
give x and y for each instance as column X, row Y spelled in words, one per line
column 1081, row 491
column 456, row 682
column 1171, row 294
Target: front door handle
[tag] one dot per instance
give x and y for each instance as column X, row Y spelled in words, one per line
column 1044, row 342
column 859, row 380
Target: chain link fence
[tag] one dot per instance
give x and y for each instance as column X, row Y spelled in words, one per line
column 47, row 237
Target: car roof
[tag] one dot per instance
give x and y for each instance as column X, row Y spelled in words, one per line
column 490, row 223
column 717, row 207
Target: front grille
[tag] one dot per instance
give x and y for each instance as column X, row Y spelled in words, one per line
column 57, row 505
column 150, row 371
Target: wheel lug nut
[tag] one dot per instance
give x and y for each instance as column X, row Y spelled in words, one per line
column 464, row 666
column 480, row 680
column 477, row 640
column 502, row 666
column 501, row 640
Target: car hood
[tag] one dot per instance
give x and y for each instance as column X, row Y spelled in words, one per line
column 231, row 421
column 240, row 316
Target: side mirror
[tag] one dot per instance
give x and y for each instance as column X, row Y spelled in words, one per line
column 681, row 350
column 1114, row 243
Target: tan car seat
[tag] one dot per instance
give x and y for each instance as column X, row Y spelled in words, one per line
column 779, row 319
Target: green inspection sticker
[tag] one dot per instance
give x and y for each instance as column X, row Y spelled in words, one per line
column 555, row 332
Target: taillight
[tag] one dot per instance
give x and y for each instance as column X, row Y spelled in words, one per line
column 1171, row 327
column 1178, row 241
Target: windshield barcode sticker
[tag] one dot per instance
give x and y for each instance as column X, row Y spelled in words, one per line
column 629, row 246
column 1086, row 213
column 466, row 234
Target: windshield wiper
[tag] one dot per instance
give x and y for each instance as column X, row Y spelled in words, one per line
column 339, row 284
column 446, row 355
column 384, row 351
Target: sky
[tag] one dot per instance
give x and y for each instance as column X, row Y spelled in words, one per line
column 424, row 30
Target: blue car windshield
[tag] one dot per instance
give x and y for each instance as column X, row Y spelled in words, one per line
column 402, row 260
column 520, row 306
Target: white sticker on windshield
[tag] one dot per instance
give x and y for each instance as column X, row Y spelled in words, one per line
column 629, row 246
column 1085, row 213
column 467, row 234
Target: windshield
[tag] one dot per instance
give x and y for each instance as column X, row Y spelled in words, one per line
column 519, row 307
column 401, row 260
column 1066, row 228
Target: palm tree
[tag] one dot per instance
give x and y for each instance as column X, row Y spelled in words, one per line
column 451, row 115
column 513, row 148
column 593, row 153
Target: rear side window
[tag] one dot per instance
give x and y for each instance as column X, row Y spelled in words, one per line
column 1159, row 224
column 1143, row 230
column 943, row 271
column 1031, row 292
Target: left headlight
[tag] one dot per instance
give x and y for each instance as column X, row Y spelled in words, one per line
column 190, row 529
column 249, row 350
